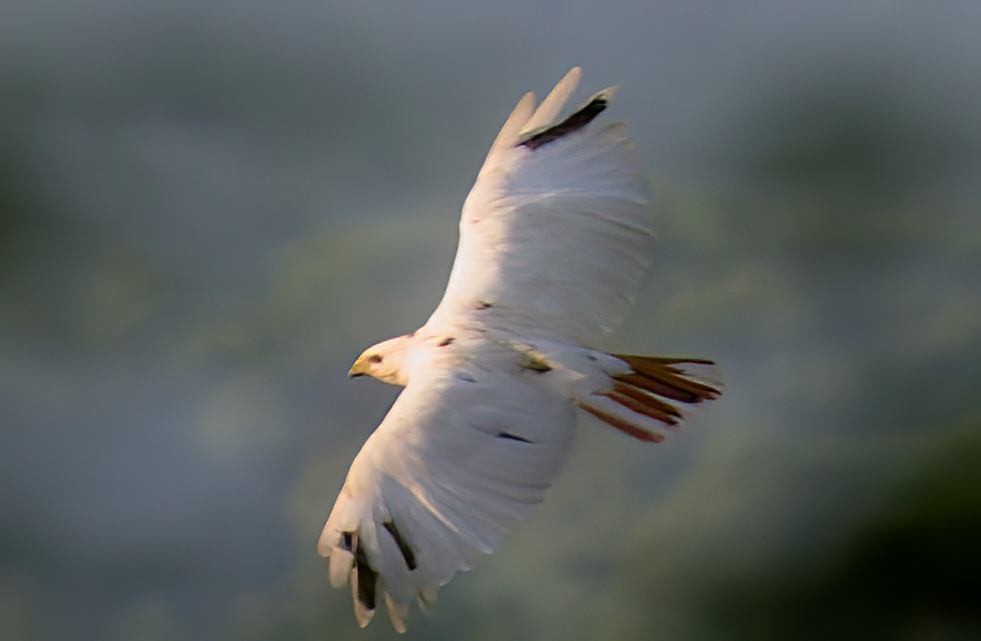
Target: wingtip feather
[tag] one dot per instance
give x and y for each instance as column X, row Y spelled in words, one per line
column 515, row 122
column 341, row 562
column 397, row 613
column 555, row 101
column 362, row 613
column 607, row 93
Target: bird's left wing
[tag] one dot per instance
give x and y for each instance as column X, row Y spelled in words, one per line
column 464, row 455
column 555, row 235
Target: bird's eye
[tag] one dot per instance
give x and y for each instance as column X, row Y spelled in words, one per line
column 374, row 358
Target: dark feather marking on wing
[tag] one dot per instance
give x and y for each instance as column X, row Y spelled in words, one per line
column 573, row 123
column 537, row 364
column 367, row 579
column 513, row 437
column 407, row 553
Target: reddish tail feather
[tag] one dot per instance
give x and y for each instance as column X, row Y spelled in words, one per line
column 653, row 390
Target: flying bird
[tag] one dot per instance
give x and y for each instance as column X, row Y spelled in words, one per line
column 554, row 244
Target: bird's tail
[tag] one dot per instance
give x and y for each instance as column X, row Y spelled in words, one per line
column 654, row 395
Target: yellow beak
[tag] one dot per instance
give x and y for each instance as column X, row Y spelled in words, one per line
column 357, row 369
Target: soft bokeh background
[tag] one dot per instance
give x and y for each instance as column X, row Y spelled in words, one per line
column 208, row 209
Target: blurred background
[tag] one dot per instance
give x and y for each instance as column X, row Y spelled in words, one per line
column 207, row 210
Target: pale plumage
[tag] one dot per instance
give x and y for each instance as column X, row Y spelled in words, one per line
column 554, row 243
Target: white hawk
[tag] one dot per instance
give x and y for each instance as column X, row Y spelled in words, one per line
column 554, row 244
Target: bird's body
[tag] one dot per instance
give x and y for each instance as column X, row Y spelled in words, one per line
column 554, row 244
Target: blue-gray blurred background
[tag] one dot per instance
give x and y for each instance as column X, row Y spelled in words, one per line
column 208, row 209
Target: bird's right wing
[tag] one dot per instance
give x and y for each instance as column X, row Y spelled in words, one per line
column 555, row 234
column 464, row 455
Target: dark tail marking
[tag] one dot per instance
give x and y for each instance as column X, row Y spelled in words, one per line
column 624, row 426
column 643, row 403
column 651, row 390
column 664, row 377
column 575, row 122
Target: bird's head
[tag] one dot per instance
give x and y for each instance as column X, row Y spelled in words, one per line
column 384, row 361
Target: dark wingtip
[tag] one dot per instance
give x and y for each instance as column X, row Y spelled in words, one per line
column 575, row 122
column 367, row 579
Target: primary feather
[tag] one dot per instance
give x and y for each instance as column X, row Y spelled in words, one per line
column 554, row 243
